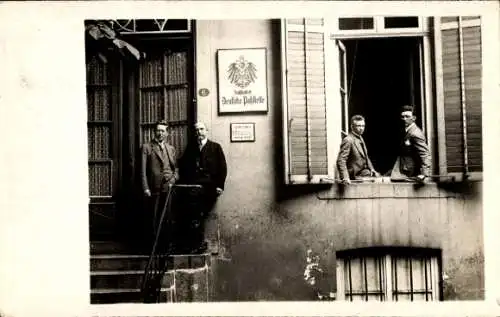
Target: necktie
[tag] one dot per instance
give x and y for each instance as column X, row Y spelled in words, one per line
column 364, row 147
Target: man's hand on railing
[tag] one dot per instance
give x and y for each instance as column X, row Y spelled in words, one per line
column 147, row 193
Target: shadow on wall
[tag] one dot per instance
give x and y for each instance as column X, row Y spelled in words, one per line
column 468, row 189
column 463, row 278
column 277, row 276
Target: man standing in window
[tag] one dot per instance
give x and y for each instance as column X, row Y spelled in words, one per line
column 414, row 160
column 158, row 171
column 203, row 163
column 353, row 161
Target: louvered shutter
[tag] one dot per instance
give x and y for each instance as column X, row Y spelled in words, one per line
column 458, row 87
column 305, row 101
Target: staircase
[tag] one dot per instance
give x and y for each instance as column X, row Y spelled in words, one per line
column 116, row 276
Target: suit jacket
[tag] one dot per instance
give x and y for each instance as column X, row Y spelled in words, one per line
column 157, row 170
column 352, row 159
column 206, row 167
column 414, row 157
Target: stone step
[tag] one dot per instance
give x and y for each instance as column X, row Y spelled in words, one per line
column 118, row 262
column 129, row 295
column 192, row 285
column 117, row 278
column 107, row 247
column 190, row 261
column 123, row 279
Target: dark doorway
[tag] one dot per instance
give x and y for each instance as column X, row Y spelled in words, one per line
column 126, row 97
column 383, row 75
column 159, row 87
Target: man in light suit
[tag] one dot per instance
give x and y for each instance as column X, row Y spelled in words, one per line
column 203, row 163
column 353, row 160
column 158, row 170
column 414, row 159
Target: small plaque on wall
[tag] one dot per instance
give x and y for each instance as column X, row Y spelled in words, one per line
column 203, row 92
column 242, row 132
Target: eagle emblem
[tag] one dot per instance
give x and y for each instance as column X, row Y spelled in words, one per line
column 241, row 72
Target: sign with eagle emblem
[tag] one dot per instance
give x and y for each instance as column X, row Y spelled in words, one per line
column 242, row 80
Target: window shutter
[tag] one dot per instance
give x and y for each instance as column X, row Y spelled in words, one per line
column 305, row 96
column 458, row 87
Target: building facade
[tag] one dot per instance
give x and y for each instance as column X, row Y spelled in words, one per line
column 377, row 240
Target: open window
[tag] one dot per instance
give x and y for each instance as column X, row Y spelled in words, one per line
column 372, row 66
column 389, row 274
column 382, row 74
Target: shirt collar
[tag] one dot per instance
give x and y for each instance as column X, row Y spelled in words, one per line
column 203, row 142
column 357, row 135
column 408, row 127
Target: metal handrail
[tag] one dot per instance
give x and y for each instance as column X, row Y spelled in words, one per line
column 160, row 271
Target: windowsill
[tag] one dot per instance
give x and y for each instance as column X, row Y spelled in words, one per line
column 383, row 187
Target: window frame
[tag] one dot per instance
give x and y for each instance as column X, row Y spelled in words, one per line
column 379, row 30
column 125, row 31
column 429, row 104
column 115, row 99
column 386, row 258
column 432, row 106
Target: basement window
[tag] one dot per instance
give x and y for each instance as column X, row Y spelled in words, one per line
column 388, row 274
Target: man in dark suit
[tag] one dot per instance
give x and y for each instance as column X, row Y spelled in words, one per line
column 158, row 170
column 203, row 163
column 353, row 160
column 414, row 160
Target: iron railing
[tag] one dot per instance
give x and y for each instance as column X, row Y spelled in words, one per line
column 160, row 257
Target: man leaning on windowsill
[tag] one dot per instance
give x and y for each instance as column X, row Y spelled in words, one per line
column 353, row 161
column 414, row 161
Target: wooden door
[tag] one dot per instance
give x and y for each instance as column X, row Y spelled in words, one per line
column 160, row 87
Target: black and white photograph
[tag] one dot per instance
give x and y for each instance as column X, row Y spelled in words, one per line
column 363, row 181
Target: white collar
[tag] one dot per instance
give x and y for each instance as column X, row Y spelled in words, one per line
column 203, row 142
column 408, row 127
